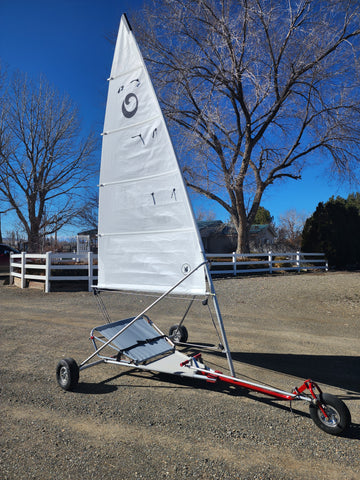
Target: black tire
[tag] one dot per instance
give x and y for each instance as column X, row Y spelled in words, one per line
column 67, row 373
column 178, row 334
column 339, row 417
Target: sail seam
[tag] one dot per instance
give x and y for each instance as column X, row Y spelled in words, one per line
column 140, row 65
column 136, row 179
column 149, row 120
column 150, row 232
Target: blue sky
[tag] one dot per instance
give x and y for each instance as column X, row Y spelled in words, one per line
column 65, row 41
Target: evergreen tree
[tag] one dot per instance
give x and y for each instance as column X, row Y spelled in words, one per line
column 334, row 229
column 263, row 217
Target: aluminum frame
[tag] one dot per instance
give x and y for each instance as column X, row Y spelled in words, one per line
column 177, row 363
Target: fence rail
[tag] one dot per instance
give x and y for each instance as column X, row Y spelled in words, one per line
column 51, row 267
column 236, row 263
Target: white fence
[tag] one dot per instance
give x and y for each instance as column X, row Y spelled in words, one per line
column 75, row 267
column 50, row 267
column 235, row 263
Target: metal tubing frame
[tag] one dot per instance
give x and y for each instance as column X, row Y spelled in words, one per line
column 273, row 392
column 226, row 349
column 149, row 367
column 220, row 322
column 142, row 313
column 204, row 373
column 212, row 375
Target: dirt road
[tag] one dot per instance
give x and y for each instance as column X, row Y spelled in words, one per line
column 130, row 425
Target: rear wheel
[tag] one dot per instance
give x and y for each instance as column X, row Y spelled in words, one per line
column 338, row 416
column 178, row 333
column 67, row 373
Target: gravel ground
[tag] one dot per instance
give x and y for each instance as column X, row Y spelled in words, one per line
column 127, row 424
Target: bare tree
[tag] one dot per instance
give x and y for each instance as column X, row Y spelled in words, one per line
column 291, row 225
column 44, row 163
column 87, row 216
column 257, row 90
column 203, row 214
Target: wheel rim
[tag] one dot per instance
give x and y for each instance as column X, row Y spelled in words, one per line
column 64, row 375
column 333, row 417
column 177, row 335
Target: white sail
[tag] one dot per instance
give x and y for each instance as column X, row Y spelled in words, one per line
column 148, row 237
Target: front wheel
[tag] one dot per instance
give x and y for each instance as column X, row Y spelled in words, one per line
column 178, row 333
column 67, row 373
column 338, row 416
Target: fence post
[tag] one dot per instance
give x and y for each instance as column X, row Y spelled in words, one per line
column 23, row 270
column 11, row 278
column 234, row 263
column 90, row 270
column 47, row 272
column 270, row 258
column 298, row 261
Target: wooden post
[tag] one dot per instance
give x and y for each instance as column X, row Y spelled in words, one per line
column 11, row 277
column 47, row 271
column 23, row 270
column 270, row 257
column 90, row 270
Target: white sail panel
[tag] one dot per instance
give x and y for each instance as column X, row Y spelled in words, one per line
column 148, row 238
column 130, row 101
column 148, row 155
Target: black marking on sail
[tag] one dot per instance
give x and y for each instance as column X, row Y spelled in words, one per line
column 141, row 138
column 126, row 103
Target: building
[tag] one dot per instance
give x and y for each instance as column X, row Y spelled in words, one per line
column 219, row 237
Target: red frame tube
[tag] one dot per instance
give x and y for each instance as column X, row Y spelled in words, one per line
column 296, row 394
column 249, row 386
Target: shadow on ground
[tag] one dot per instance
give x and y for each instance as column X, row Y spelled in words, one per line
column 336, row 370
column 339, row 371
column 173, row 381
column 4, row 278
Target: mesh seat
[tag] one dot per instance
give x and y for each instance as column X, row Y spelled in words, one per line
column 140, row 342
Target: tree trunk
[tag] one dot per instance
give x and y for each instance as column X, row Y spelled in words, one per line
column 34, row 242
column 243, row 230
column 243, row 244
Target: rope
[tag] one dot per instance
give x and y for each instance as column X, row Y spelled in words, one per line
column 101, row 305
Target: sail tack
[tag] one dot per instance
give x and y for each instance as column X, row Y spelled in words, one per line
column 148, row 238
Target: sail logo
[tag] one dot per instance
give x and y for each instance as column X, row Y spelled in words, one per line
column 130, row 105
column 186, row 269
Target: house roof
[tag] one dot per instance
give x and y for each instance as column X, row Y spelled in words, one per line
column 256, row 229
column 208, row 224
column 208, row 227
column 91, row 232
